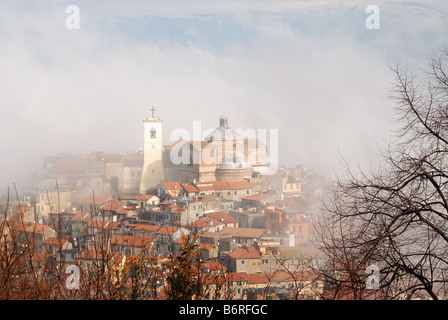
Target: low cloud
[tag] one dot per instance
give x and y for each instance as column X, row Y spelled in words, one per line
column 89, row 89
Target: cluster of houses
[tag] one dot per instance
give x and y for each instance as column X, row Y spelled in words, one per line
column 258, row 242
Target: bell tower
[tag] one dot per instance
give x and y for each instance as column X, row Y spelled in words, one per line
column 152, row 172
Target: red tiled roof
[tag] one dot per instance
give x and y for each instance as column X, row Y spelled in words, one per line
column 257, row 278
column 167, row 230
column 172, row 185
column 113, row 225
column 222, row 216
column 257, row 197
column 37, row 228
column 168, row 204
column 98, row 223
column 91, row 254
column 213, row 265
column 208, row 234
column 124, row 211
column 238, row 185
column 20, row 226
column 245, row 252
column 189, row 187
column 147, row 227
column 132, row 241
column 55, row 241
column 204, row 222
column 145, row 197
column 81, row 216
column 112, row 205
column 251, row 278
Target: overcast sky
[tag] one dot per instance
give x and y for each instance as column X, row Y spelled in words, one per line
column 310, row 69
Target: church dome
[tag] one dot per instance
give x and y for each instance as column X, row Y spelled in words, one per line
column 223, row 132
column 233, row 167
column 234, row 162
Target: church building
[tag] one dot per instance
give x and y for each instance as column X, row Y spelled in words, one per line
column 224, row 154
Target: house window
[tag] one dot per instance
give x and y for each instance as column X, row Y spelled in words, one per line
column 152, row 133
column 242, row 261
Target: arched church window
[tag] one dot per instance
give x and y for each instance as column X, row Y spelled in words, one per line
column 152, row 133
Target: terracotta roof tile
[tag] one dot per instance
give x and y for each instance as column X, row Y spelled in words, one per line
column 213, row 265
column 131, row 241
column 257, row 197
column 169, row 230
column 147, row 228
column 81, row 217
column 55, row 241
column 189, row 187
column 37, row 228
column 246, row 252
column 146, row 197
column 222, row 216
column 172, row 185
column 112, row 205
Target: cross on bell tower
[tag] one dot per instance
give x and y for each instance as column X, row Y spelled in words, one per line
column 152, row 111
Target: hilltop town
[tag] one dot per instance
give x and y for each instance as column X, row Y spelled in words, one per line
column 253, row 231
